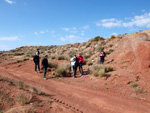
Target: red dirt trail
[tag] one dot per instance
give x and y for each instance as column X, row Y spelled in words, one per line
column 74, row 92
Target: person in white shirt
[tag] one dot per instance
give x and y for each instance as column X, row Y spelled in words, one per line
column 72, row 64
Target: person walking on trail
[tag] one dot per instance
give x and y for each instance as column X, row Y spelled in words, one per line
column 76, row 64
column 102, row 57
column 80, row 63
column 36, row 62
column 72, row 64
column 45, row 65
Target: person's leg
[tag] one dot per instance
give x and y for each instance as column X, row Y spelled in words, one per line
column 44, row 72
column 75, row 69
column 72, row 68
column 100, row 60
column 39, row 67
column 80, row 68
column 35, row 67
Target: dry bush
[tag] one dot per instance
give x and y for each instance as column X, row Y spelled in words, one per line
column 21, row 85
column 52, row 64
column 63, row 69
column 18, row 54
column 112, row 37
column 23, row 99
column 53, row 57
column 89, row 63
column 22, row 109
column 97, row 38
column 5, row 98
column 100, row 70
column 61, row 57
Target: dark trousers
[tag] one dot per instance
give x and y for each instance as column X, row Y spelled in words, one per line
column 44, row 72
column 37, row 65
column 101, row 60
column 75, row 69
column 80, row 68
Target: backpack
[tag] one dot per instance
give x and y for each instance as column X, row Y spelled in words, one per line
column 102, row 54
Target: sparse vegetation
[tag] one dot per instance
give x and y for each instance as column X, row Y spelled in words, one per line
column 21, row 85
column 23, row 99
column 63, row 69
column 51, row 64
column 100, row 70
column 97, row 38
column 134, row 85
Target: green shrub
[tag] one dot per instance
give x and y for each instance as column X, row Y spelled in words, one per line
column 134, row 85
column 112, row 37
column 18, row 54
column 63, row 69
column 97, row 38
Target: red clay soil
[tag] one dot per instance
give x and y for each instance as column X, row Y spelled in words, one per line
column 85, row 94
column 88, row 94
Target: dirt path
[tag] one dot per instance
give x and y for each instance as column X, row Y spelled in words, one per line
column 73, row 94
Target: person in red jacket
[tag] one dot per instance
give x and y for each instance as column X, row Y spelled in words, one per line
column 80, row 63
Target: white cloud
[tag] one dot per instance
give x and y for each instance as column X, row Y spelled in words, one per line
column 10, row 1
column 65, row 29
column 109, row 23
column 86, row 27
column 62, row 39
column 138, row 21
column 71, row 38
column 71, row 30
column 115, row 34
column 143, row 10
column 4, row 47
column 13, row 38
column 82, row 33
column 41, row 32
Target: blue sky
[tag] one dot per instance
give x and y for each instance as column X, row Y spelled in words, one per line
column 59, row 22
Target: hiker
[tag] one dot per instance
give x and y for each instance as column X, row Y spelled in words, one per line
column 72, row 63
column 76, row 64
column 38, row 52
column 45, row 65
column 102, row 57
column 80, row 63
column 36, row 62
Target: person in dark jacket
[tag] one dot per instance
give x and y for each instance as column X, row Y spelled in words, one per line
column 102, row 57
column 45, row 65
column 76, row 64
column 38, row 52
column 36, row 62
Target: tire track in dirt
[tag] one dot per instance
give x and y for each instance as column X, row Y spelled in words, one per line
column 78, row 98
